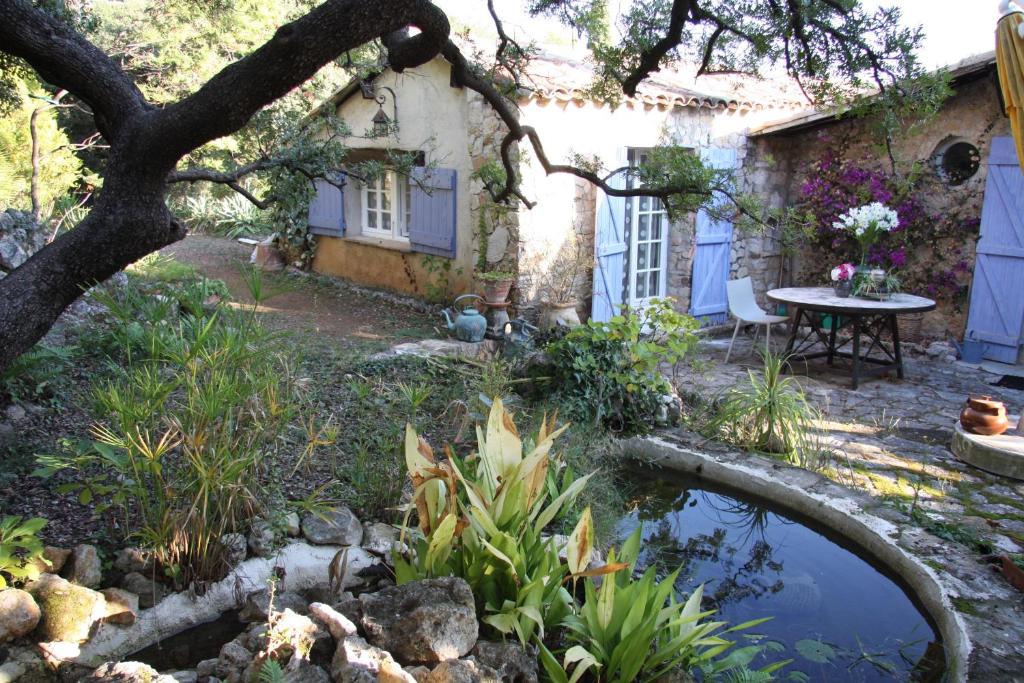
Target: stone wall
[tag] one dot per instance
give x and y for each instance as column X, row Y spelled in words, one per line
column 20, row 237
column 779, row 164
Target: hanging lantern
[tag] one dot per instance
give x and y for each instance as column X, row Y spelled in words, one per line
column 381, row 121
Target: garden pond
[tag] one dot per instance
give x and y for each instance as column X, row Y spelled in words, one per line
column 835, row 613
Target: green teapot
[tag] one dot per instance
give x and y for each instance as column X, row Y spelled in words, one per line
column 469, row 324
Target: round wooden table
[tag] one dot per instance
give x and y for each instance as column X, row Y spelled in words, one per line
column 864, row 317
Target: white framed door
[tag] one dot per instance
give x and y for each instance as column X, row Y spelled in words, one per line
column 648, row 246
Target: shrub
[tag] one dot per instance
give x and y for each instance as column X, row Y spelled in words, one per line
column 611, row 372
column 189, row 426
column 21, row 551
column 483, row 519
column 770, row 414
column 32, row 374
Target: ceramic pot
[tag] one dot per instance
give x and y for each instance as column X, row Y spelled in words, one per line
column 843, row 288
column 496, row 291
column 984, row 416
column 562, row 314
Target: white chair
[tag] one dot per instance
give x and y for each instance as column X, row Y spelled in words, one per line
column 744, row 308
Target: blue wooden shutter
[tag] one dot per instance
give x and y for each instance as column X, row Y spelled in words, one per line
column 711, row 259
column 997, row 296
column 327, row 210
column 432, row 219
column 609, row 248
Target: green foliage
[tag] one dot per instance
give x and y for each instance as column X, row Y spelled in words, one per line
column 59, row 168
column 482, row 519
column 185, row 445
column 231, row 216
column 271, row 672
column 635, row 630
column 770, row 414
column 21, row 551
column 31, row 376
column 610, row 373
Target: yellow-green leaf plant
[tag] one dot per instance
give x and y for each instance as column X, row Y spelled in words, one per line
column 482, row 519
column 21, row 551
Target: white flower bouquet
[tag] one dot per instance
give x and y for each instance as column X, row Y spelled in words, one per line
column 868, row 223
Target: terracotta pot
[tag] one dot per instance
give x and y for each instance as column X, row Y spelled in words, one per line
column 496, row 291
column 559, row 314
column 984, row 416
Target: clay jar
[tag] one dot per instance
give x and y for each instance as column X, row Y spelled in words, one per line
column 984, row 416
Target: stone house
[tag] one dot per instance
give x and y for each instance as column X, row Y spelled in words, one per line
column 954, row 155
column 396, row 235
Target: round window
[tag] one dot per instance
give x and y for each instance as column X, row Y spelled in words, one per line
column 957, row 161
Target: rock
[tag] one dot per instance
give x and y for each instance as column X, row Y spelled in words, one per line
column 233, row 659
column 236, row 548
column 305, row 672
column 939, row 350
column 422, row 621
column 356, row 661
column 15, row 413
column 350, row 607
column 85, row 569
column 292, row 524
column 338, row 624
column 149, row 591
column 379, row 538
column 125, row 672
column 257, row 605
column 57, row 558
column 187, row 676
column 337, row 526
column 510, row 660
column 261, row 538
column 206, row 668
column 130, row 560
column 420, row 672
column 68, row 610
column 462, row 671
column 19, row 614
column 122, row 606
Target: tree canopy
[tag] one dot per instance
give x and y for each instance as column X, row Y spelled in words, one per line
column 187, row 91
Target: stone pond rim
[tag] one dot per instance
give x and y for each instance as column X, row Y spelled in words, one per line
column 840, row 511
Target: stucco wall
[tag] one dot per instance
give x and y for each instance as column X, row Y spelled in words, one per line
column 780, row 164
column 434, row 118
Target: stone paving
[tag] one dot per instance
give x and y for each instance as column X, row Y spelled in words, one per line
column 891, row 438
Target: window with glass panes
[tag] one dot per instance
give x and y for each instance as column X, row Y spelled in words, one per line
column 386, row 206
column 648, row 243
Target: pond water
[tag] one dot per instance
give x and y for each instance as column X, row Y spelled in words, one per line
column 186, row 649
column 838, row 617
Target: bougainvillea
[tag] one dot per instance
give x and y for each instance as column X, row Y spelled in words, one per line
column 927, row 248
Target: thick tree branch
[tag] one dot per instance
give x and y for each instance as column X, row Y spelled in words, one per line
column 295, row 53
column 651, row 58
column 67, row 60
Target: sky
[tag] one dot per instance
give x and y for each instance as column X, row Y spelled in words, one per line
column 954, row 29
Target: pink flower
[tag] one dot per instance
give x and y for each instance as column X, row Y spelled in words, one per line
column 843, row 272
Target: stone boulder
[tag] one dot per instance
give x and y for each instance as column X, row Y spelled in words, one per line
column 510, row 660
column 149, row 591
column 292, row 524
column 235, row 547
column 233, row 660
column 19, row 614
column 462, row 671
column 426, row 621
column 128, row 560
column 126, row 672
column 356, row 661
column 261, row 538
column 68, row 610
column 20, row 237
column 122, row 606
column 339, row 626
column 257, row 605
column 85, row 568
column 380, row 538
column 52, row 561
column 337, row 526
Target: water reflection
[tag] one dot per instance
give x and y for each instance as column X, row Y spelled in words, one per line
column 838, row 617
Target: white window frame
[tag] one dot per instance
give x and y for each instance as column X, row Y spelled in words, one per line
column 632, row 299
column 399, row 197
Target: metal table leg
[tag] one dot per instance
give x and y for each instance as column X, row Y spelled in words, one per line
column 856, row 351
column 832, row 338
column 894, row 327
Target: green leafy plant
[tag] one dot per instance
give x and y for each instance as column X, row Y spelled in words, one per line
column 611, row 372
column 185, row 447
column 770, row 414
column 33, row 373
column 21, row 551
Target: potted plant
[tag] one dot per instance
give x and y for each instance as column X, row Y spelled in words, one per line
column 496, row 285
column 560, row 284
column 842, row 279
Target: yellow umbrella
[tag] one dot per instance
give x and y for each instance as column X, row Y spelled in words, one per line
column 1010, row 64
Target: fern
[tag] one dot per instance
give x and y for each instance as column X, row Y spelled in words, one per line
column 271, row 672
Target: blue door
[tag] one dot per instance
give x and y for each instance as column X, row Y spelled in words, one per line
column 711, row 259
column 609, row 249
column 996, row 315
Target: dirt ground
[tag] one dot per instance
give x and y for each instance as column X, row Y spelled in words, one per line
column 306, row 303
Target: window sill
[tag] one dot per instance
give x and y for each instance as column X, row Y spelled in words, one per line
column 381, row 242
